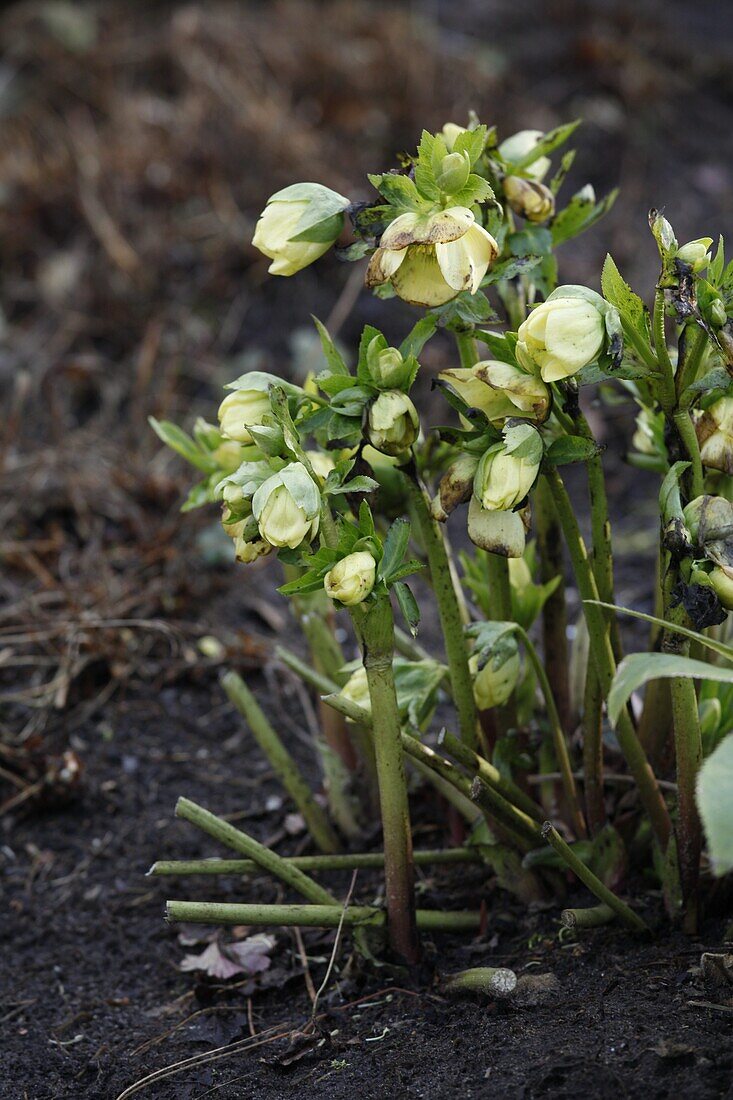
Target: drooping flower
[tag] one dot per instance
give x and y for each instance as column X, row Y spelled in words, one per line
column 714, row 429
column 287, row 507
column 429, row 259
column 564, row 334
column 393, row 422
column 298, row 225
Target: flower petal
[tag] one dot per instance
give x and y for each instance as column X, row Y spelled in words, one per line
column 419, row 279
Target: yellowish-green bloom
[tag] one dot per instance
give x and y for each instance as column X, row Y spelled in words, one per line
column 298, row 225
column 516, row 147
column 563, row 334
column 714, row 429
column 696, row 253
column 450, row 132
column 499, row 389
column 429, row 259
column 529, row 198
column 321, row 461
column 351, row 579
column 497, row 677
column 287, row 507
column 508, row 470
column 393, row 423
column 356, row 689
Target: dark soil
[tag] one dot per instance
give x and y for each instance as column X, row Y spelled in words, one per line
column 92, row 1000
column 131, row 177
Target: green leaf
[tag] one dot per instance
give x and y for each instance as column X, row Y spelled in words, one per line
column 501, row 345
column 530, row 241
column 178, row 441
column 670, row 503
column 471, row 142
column 412, row 565
column 717, row 379
column 580, row 214
column 720, row 648
column 510, row 268
column 715, row 802
column 639, row 668
column 570, row 448
column 333, row 356
column 360, row 484
column 408, row 606
column 618, row 292
column 416, row 340
column 395, row 545
column 399, row 191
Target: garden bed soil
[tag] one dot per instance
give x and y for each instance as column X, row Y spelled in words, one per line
column 92, row 999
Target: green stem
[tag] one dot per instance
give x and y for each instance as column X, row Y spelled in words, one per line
column 691, row 364
column 688, row 755
column 595, row 805
column 448, row 610
column 491, row 775
column 264, row 857
column 604, row 662
column 348, row 862
column 376, row 631
column 558, row 736
column 318, row 680
column 281, row 762
column 500, row 591
column 554, row 612
column 467, row 350
column 313, row 916
column 594, row 884
column 509, row 816
column 668, row 396
column 686, row 431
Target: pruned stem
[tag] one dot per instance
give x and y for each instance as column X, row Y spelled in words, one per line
column 314, row 916
column 521, row 824
column 595, row 917
column 281, row 762
column 594, row 884
column 346, row 862
column 486, row 981
column 489, row 774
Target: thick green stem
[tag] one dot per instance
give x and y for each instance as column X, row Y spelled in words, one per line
column 486, row 981
column 595, row 805
column 448, row 610
column 313, row 916
column 686, row 431
column 376, row 631
column 604, row 662
column 668, row 396
column 467, row 350
column 554, row 612
column 594, row 884
column 688, row 756
column 282, row 762
column 347, row 862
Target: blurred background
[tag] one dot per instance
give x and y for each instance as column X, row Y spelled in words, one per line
column 138, row 144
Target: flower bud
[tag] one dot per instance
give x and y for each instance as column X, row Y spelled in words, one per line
column 453, row 172
column 563, row 334
column 495, row 677
column 508, row 470
column 298, row 225
column 696, row 253
column 450, row 132
column 351, row 579
column 228, row 455
column 386, row 365
column 516, row 147
column 287, row 506
column 242, row 408
column 529, row 199
column 717, row 312
column 714, row 429
column 393, row 422
column 527, row 393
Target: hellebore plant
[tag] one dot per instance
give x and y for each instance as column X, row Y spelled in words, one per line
column 341, row 480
